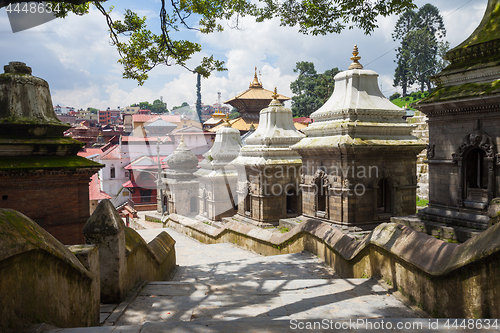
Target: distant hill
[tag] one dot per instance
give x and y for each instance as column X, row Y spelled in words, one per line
column 408, row 100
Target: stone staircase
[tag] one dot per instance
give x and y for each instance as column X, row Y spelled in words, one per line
column 222, row 288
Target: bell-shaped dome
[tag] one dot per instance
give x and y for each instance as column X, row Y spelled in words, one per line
column 227, row 144
column 226, row 148
column 358, row 114
column 24, row 102
column 275, row 126
column 182, row 158
column 270, row 143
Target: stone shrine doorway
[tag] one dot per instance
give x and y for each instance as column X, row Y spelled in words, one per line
column 291, row 201
column 384, row 203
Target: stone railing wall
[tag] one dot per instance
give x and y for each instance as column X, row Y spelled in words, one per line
column 42, row 280
column 124, row 257
column 444, row 279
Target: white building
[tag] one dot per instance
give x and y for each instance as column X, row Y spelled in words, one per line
column 113, row 175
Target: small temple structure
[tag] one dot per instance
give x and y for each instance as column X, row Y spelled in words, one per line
column 464, row 133
column 41, row 175
column 180, row 195
column 218, row 177
column 270, row 171
column 359, row 156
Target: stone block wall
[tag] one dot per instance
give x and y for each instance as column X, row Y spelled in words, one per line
column 267, row 188
column 215, row 201
column 42, row 280
column 421, row 131
column 181, row 194
column 352, row 186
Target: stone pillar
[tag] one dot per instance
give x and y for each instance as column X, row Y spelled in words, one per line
column 89, row 257
column 105, row 229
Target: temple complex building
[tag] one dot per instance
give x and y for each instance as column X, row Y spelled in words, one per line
column 464, row 133
column 359, row 156
column 218, row 177
column 41, row 175
column 268, row 186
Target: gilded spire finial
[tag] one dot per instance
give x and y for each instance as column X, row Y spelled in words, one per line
column 226, row 121
column 275, row 95
column 355, row 64
column 182, row 137
column 255, row 83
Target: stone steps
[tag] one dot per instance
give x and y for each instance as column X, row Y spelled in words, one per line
column 222, row 288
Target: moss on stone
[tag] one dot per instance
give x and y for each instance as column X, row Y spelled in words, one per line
column 17, row 163
column 467, row 90
column 488, row 29
column 32, row 121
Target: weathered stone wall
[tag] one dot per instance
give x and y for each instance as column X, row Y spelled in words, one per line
column 421, row 132
column 351, row 183
column 444, row 279
column 267, row 187
column 215, row 201
column 152, row 262
column 181, row 194
column 124, row 257
column 450, row 200
column 41, row 280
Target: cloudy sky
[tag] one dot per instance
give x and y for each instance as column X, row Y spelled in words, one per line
column 75, row 57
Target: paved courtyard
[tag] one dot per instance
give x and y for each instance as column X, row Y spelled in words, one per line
column 222, row 288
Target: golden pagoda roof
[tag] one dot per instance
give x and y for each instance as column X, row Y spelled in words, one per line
column 255, row 92
column 244, row 125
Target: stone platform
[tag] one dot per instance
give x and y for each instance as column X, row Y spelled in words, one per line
column 437, row 229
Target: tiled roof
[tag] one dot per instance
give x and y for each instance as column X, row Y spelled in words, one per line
column 113, row 153
column 160, row 123
column 239, row 123
column 189, row 129
column 89, row 152
column 304, row 120
column 149, row 139
column 174, row 118
column 95, row 192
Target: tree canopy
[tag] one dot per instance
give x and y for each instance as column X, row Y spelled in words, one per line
column 310, row 88
column 141, row 50
column 419, row 54
column 158, row 106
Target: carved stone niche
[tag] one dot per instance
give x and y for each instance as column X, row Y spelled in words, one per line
column 476, row 160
